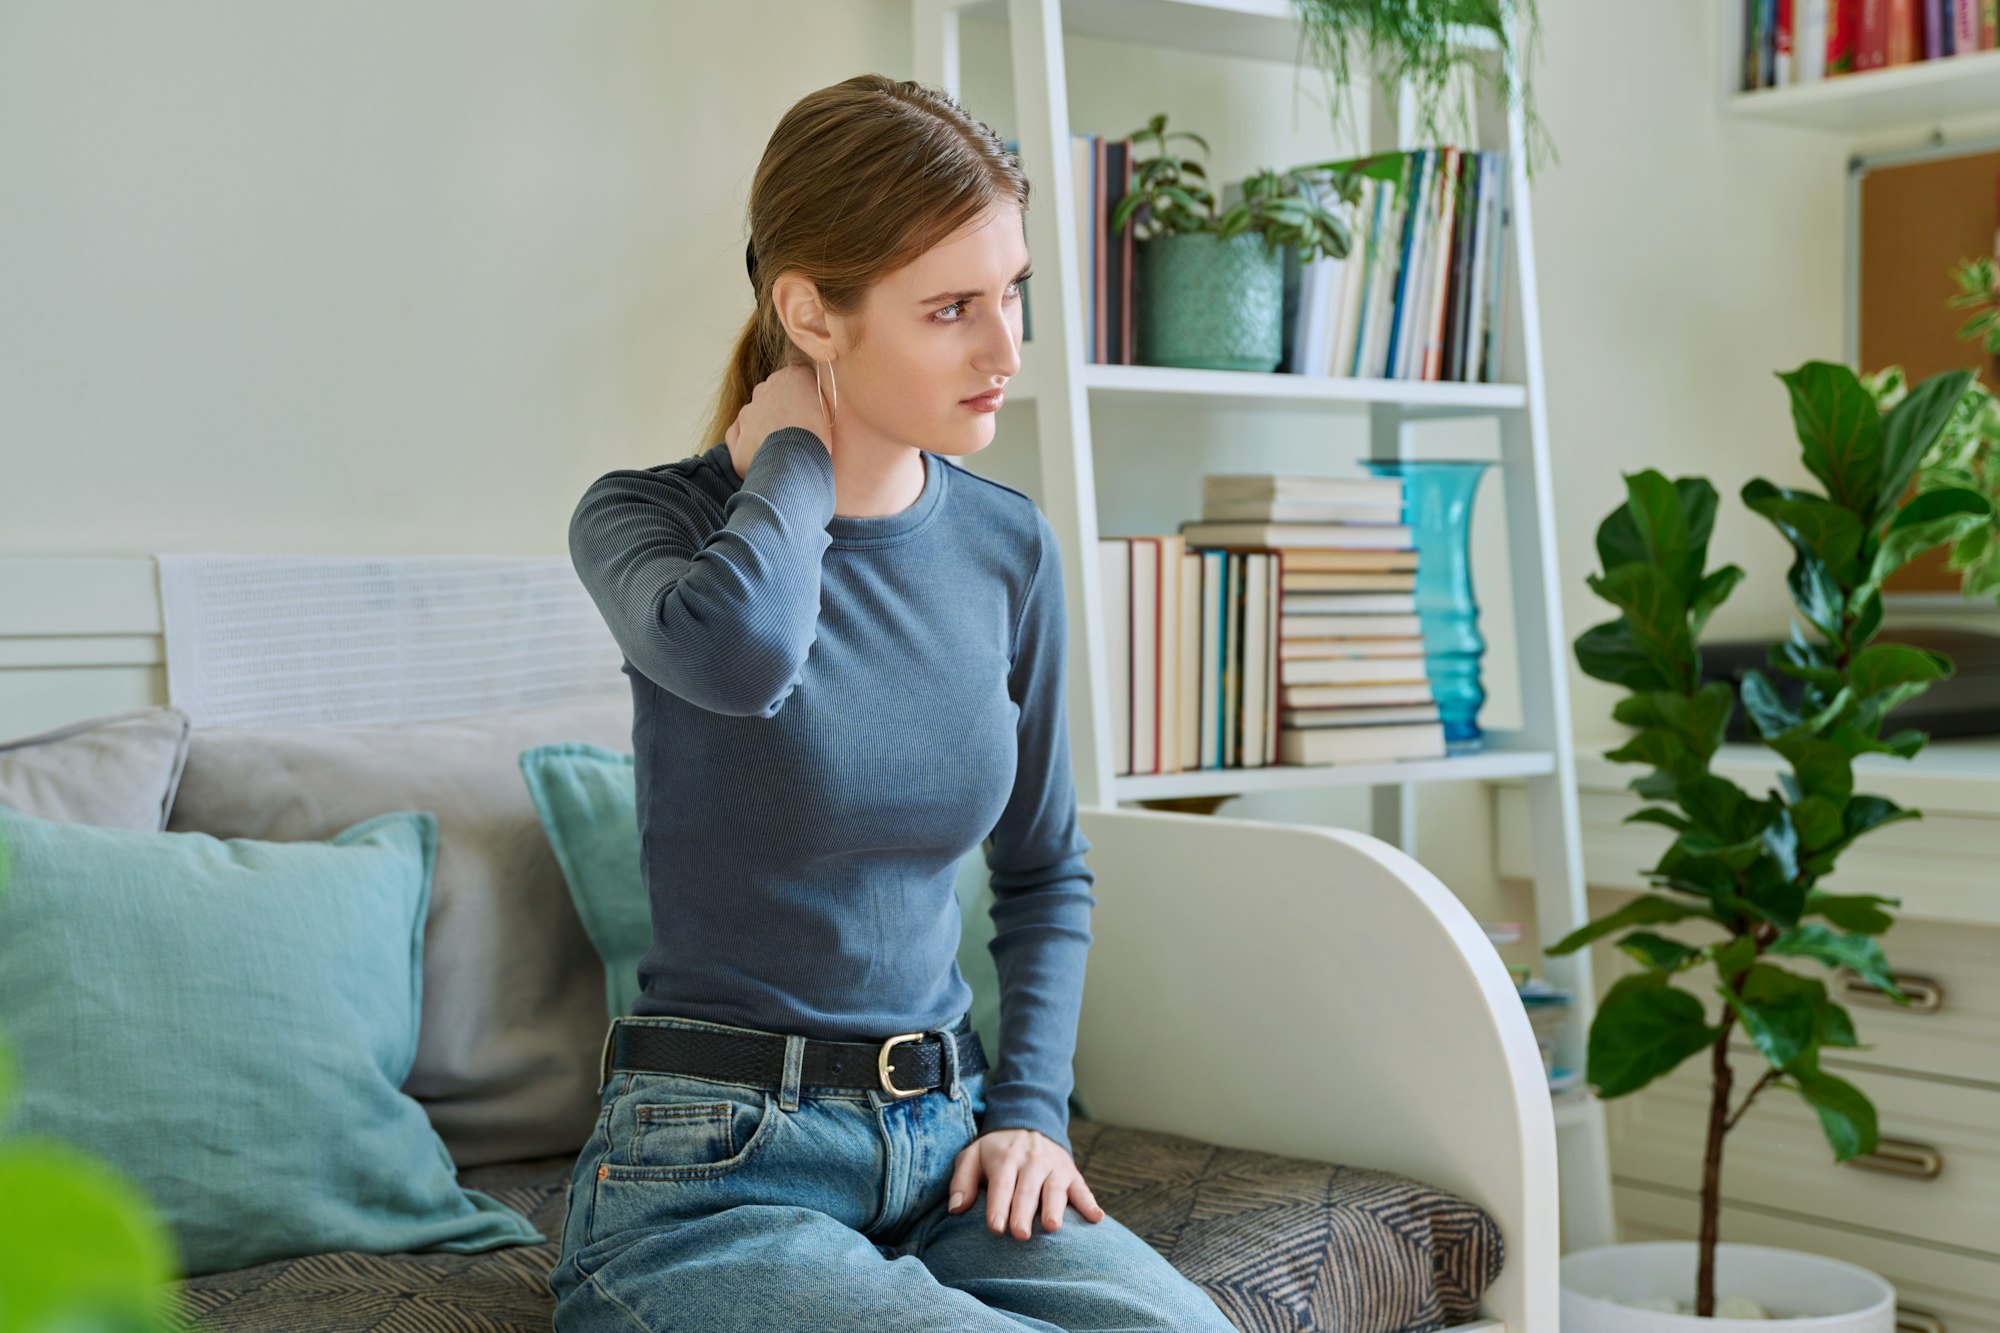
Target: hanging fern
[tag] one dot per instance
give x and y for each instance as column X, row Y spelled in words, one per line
column 1418, row 41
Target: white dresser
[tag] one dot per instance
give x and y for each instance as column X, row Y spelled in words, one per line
column 1924, row 1209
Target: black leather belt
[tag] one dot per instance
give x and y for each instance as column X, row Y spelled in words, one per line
column 906, row 1065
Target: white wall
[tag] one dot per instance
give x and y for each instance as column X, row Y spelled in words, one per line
column 377, row 276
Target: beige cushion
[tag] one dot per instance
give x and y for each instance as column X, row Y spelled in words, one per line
column 117, row 771
column 513, row 994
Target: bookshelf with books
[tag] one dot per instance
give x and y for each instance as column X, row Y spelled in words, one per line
column 1280, row 628
column 1858, row 66
column 1210, row 655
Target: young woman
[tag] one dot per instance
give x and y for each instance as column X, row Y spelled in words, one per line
column 847, row 659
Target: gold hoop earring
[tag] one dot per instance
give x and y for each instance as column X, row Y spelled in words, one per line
column 833, row 416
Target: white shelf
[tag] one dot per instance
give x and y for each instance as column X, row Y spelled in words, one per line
column 1488, row 765
column 1259, row 29
column 1879, row 101
column 1066, row 397
column 1410, row 398
column 1575, row 1106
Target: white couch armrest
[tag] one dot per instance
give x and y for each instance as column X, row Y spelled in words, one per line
column 1317, row 993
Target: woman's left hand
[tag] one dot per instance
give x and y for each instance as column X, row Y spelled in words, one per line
column 1022, row 1169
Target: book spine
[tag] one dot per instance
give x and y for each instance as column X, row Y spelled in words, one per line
column 1442, row 279
column 1871, row 42
column 1475, row 294
column 1901, row 40
column 1503, row 186
column 1809, row 41
column 1842, row 16
column 1100, row 346
column 1964, row 28
column 1406, row 266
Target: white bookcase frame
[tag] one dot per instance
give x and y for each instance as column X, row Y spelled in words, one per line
column 1065, row 390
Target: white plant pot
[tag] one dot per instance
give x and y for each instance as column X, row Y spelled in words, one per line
column 1801, row 1291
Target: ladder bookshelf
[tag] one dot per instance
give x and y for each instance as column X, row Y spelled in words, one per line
column 1065, row 390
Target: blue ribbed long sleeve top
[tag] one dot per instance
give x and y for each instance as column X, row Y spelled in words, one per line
column 829, row 714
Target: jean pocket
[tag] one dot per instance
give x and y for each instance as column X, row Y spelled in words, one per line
column 974, row 1100
column 673, row 1128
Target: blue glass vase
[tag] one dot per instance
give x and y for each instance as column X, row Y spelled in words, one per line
column 1437, row 504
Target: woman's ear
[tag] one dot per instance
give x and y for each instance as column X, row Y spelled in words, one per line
column 796, row 300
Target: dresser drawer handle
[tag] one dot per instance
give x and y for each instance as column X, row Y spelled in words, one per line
column 1909, row 1319
column 1900, row 1157
column 1926, row 993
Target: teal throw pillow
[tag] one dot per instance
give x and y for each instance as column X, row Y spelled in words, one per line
column 229, row 1023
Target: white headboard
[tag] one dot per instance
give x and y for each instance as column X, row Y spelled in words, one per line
column 243, row 639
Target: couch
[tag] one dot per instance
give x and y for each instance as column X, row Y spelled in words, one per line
column 1308, row 1079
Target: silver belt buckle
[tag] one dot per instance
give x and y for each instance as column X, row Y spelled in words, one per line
column 882, row 1067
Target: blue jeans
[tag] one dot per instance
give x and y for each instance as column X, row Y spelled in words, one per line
column 706, row 1205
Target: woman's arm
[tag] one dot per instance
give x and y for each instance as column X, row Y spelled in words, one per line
column 1041, row 887
column 723, row 618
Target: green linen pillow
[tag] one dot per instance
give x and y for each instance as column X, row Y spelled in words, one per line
column 228, row 1023
column 588, row 800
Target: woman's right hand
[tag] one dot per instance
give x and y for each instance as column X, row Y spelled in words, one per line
column 789, row 397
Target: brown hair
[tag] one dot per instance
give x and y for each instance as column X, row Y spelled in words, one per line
column 858, row 179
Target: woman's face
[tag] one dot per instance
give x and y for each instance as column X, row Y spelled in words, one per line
column 943, row 328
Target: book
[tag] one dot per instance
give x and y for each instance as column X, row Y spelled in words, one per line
column 1274, row 536
column 1309, row 580
column 1299, row 487
column 1431, row 348
column 1144, row 627
column 1342, row 695
column 1322, row 559
column 1350, row 627
column 1364, row 716
column 1347, row 603
column 1188, row 736
column 1351, row 670
column 1340, row 745
column 1319, row 648
column 1214, row 576
column 1299, row 511
column 1115, row 571
column 1256, row 648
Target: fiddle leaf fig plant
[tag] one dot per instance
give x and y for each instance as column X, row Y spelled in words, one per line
column 1746, row 868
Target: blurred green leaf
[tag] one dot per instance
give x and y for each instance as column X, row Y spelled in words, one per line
column 1840, row 431
column 1644, row 1028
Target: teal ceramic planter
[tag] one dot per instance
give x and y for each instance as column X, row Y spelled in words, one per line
column 1210, row 304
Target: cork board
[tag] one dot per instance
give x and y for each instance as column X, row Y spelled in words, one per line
column 1916, row 220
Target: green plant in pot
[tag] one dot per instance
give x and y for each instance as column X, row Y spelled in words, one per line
column 1743, row 870
column 1213, row 282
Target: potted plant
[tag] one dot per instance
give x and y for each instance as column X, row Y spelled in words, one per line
column 1214, row 282
column 1423, row 41
column 1967, row 451
column 1746, row 868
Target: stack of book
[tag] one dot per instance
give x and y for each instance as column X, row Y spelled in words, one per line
column 1419, row 294
column 1788, row 42
column 1279, row 628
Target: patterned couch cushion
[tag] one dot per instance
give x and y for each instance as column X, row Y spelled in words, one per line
column 1280, row 1243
